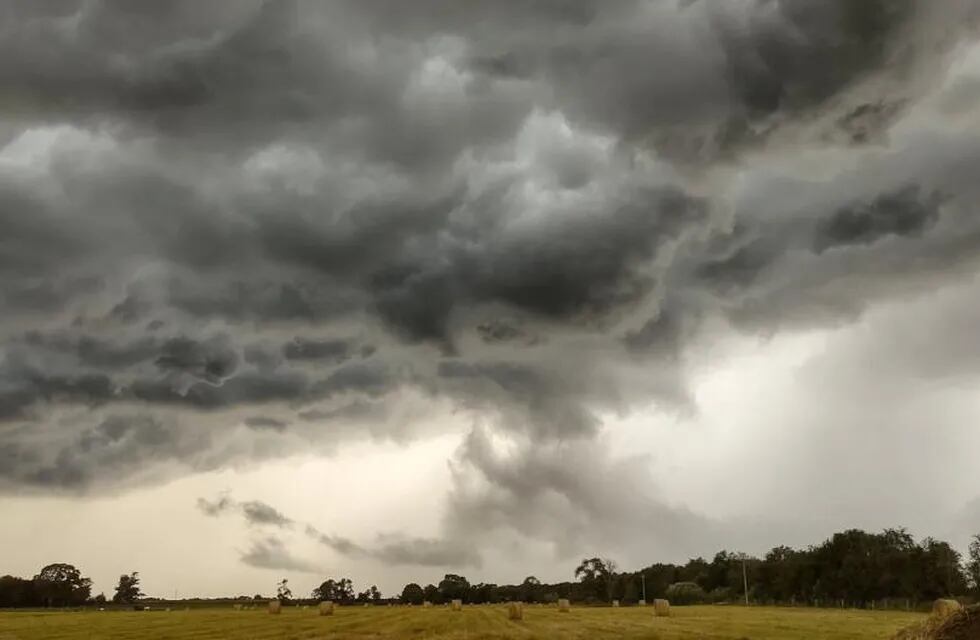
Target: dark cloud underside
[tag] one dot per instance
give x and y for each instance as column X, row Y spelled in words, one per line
column 237, row 231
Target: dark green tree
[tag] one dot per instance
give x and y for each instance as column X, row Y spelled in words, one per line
column 412, row 594
column 595, row 576
column 341, row 590
column 128, row 589
column 431, row 594
column 283, row 592
column 973, row 565
column 685, row 593
column 530, row 590
column 61, row 585
column 453, row 587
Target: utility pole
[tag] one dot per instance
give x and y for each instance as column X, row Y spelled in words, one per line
column 643, row 581
column 745, row 581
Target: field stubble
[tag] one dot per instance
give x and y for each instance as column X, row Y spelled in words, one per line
column 473, row 623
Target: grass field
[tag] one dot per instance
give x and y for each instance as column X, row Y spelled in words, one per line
column 474, row 622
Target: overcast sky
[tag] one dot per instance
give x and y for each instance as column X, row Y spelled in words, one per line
column 389, row 289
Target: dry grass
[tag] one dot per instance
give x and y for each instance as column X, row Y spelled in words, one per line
column 947, row 622
column 473, row 623
column 943, row 608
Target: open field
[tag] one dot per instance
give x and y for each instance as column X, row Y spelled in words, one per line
column 708, row 622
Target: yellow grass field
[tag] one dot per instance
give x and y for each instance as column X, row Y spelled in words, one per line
column 474, row 622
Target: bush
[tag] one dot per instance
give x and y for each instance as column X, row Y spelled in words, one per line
column 685, row 593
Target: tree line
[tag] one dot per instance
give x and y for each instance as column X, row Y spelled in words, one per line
column 62, row 585
column 853, row 567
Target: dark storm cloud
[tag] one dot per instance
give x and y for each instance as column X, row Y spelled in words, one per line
column 306, row 349
column 209, row 361
column 401, row 550
column 390, row 549
column 69, row 455
column 264, row 422
column 426, row 552
column 272, row 553
column 224, row 218
column 255, row 512
column 903, row 213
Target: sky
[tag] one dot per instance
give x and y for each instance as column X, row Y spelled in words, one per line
column 391, row 290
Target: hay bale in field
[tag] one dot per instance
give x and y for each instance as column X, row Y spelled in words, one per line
column 426, row 604
column 944, row 607
column 960, row 624
column 238, row 607
column 515, row 611
column 457, row 605
column 563, row 605
column 661, row 608
column 615, row 603
column 275, row 607
column 642, row 603
column 326, row 608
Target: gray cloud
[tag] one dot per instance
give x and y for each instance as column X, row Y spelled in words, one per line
column 221, row 220
column 271, row 553
column 255, row 512
column 401, row 550
column 392, row 549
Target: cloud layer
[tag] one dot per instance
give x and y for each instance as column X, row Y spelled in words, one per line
column 239, row 231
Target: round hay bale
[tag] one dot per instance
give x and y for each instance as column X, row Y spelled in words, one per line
column 515, row 611
column 426, row 604
column 457, row 605
column 961, row 624
column 615, row 603
column 661, row 608
column 325, row 608
column 943, row 607
column 275, row 607
column 563, row 605
column 642, row 603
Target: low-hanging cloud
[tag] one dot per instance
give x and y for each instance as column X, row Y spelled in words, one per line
column 392, row 549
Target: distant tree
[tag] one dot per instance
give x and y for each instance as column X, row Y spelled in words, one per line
column 595, row 576
column 530, row 590
column 128, row 589
column 412, row 594
column 973, row 565
column 374, row 593
column 484, row 592
column 341, row 590
column 453, row 587
column 61, row 585
column 685, row 593
column 18, row 592
column 283, row 592
column 431, row 593
column 99, row 599
column 258, row 596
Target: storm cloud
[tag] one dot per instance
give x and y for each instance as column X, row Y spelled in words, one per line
column 271, row 553
column 390, row 548
column 234, row 232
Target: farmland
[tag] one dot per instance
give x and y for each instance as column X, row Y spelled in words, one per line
column 490, row 621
